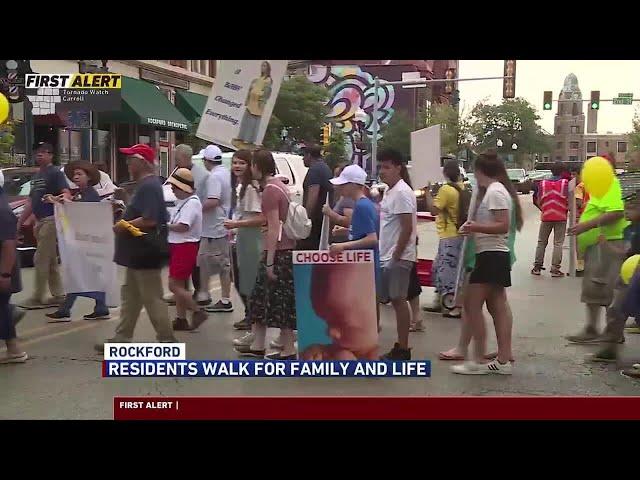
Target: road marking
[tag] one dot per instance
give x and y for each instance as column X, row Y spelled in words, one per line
column 66, row 331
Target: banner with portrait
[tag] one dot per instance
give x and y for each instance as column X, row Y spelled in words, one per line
column 241, row 102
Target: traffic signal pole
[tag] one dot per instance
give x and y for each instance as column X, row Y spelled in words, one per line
column 417, row 83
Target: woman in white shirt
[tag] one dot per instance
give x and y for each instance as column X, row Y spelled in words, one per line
column 247, row 222
column 185, row 229
column 492, row 272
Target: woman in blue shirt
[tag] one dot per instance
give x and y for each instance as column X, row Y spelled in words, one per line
column 84, row 175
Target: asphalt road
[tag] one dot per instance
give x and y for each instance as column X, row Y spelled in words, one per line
column 62, row 380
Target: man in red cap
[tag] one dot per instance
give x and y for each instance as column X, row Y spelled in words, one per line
column 143, row 281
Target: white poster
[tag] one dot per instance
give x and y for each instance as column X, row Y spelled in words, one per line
column 86, row 243
column 425, row 157
column 241, row 101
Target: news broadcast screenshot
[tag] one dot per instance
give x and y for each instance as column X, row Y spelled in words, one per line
column 319, row 239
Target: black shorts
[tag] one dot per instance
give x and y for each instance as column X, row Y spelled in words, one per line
column 493, row 268
column 414, row 283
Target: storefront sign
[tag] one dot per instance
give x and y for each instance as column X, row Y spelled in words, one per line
column 158, row 122
column 241, row 102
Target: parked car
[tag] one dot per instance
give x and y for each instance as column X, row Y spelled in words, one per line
column 17, row 186
column 520, row 179
column 290, row 168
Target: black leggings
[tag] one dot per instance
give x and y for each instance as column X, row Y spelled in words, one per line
column 7, row 326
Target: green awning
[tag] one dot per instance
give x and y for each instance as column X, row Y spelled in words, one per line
column 191, row 105
column 144, row 104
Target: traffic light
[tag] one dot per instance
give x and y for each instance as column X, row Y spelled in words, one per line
column 449, row 74
column 595, row 100
column 548, row 100
column 326, row 134
column 509, row 82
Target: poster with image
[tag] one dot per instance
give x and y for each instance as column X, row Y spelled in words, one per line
column 336, row 305
column 241, row 102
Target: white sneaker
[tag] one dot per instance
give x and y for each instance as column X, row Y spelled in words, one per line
column 470, row 368
column 203, row 298
column 246, row 339
column 498, row 368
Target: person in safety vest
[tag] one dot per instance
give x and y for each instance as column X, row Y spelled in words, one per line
column 552, row 198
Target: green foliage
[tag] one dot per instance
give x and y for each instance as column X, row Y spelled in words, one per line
column 335, row 151
column 6, row 143
column 513, row 121
column 454, row 127
column 397, row 134
column 634, row 135
column 301, row 109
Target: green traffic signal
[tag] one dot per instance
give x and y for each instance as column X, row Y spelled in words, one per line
column 547, row 106
column 595, row 106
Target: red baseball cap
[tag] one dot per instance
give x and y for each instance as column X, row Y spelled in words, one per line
column 145, row 152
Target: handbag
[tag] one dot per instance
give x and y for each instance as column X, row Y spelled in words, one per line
column 151, row 250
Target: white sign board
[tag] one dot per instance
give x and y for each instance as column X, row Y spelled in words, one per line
column 425, row 157
column 241, row 102
column 86, row 242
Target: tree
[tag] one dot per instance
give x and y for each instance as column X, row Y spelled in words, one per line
column 454, row 128
column 513, row 121
column 397, row 134
column 301, row 109
column 335, row 151
column 634, row 135
column 6, row 143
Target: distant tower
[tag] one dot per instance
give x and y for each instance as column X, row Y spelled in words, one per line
column 569, row 123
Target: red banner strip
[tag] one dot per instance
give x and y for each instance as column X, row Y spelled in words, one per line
column 376, row 408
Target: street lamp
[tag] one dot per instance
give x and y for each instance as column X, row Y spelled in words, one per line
column 514, row 146
column 283, row 135
column 359, row 120
column 499, row 143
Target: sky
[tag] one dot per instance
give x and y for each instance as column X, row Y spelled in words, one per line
column 533, row 77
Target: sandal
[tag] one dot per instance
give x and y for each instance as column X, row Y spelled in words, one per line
column 449, row 356
column 416, row 327
column 14, row 358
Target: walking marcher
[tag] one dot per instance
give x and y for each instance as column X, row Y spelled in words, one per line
column 616, row 314
column 47, row 183
column 185, row 228
column 398, row 233
column 184, row 159
column 316, row 186
column 214, row 256
column 552, row 198
column 340, row 214
column 492, row 271
column 9, row 282
column 247, row 222
column 85, row 177
column 144, row 256
column 582, row 198
column 450, row 206
column 602, row 264
column 272, row 302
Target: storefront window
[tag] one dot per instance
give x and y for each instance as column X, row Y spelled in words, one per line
column 101, row 146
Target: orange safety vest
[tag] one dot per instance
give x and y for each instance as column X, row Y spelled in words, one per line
column 553, row 200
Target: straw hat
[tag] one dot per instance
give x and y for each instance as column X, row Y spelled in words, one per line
column 183, row 179
column 92, row 172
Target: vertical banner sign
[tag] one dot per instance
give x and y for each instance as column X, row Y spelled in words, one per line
column 86, row 243
column 241, row 101
column 425, row 156
column 336, row 305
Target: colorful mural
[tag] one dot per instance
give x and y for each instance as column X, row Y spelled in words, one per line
column 351, row 89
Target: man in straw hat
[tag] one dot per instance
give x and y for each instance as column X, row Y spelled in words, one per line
column 185, row 228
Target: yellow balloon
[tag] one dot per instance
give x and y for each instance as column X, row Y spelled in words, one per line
column 629, row 268
column 4, row 108
column 597, row 175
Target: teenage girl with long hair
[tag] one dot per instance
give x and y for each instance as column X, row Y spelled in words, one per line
column 491, row 275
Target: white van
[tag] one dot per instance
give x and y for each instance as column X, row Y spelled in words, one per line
column 289, row 167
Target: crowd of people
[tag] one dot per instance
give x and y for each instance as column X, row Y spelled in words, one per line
column 233, row 225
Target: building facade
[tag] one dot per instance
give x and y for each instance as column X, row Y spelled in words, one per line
column 571, row 145
column 162, row 101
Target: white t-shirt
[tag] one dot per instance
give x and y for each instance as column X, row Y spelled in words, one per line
column 250, row 203
column 496, row 198
column 397, row 201
column 188, row 212
column 200, row 175
column 218, row 186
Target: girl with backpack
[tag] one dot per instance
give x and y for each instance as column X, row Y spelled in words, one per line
column 450, row 207
column 272, row 301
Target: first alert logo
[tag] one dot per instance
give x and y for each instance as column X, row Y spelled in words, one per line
column 73, row 80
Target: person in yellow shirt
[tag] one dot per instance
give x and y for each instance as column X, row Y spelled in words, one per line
column 446, row 206
column 259, row 94
column 582, row 198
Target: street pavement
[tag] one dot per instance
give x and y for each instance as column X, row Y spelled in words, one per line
column 62, row 380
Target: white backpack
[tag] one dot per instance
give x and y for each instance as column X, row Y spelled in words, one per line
column 297, row 226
